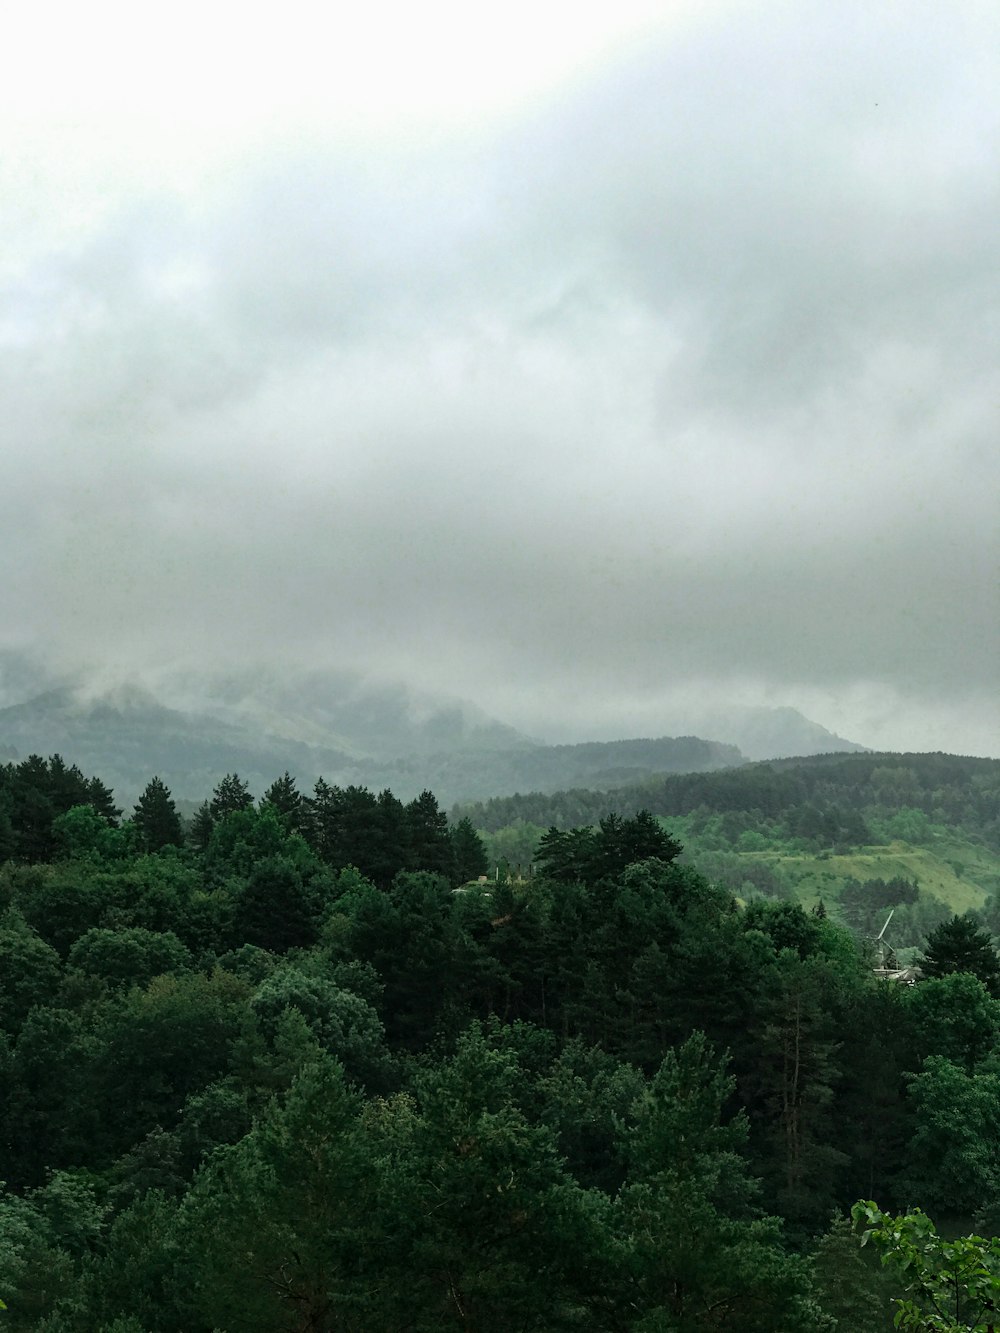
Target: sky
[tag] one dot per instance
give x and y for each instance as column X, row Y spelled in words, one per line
column 595, row 363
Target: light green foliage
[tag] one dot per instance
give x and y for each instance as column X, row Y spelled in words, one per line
column 949, row 1286
column 516, row 844
column 81, row 833
column 242, row 838
column 343, row 1023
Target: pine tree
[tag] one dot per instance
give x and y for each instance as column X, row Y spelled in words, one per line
column 959, row 945
column 430, row 843
column 231, row 794
column 156, row 819
column 200, row 831
column 469, row 852
column 285, row 797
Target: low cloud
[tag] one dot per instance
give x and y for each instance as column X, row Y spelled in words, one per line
column 679, row 387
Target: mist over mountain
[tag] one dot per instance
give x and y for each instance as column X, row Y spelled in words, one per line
column 768, row 733
column 191, row 727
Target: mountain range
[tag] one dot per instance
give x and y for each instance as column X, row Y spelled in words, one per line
column 193, row 728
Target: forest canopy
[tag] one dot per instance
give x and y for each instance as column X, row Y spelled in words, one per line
column 308, row 1061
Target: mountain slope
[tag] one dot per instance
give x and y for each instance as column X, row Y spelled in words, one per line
column 126, row 735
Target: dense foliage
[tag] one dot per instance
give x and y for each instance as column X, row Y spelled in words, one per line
column 304, row 1067
column 837, row 798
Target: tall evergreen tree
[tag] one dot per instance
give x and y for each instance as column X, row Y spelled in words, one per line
column 468, row 851
column 156, row 820
column 231, row 794
column 430, row 844
column 959, row 945
column 202, row 824
column 284, row 796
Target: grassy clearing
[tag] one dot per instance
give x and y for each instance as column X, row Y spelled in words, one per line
column 961, row 874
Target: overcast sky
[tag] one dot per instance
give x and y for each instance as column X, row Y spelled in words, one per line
column 584, row 360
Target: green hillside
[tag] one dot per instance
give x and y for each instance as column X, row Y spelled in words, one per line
column 960, row 874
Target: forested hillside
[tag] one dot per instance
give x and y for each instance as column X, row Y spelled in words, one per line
column 297, row 1068
column 918, row 834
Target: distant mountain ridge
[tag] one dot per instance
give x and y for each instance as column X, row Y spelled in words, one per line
column 764, row 733
column 127, row 736
column 191, row 728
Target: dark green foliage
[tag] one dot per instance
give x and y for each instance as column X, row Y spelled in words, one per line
column 277, row 909
column 36, row 792
column 848, row 1282
column 30, row 970
column 156, row 820
column 587, row 855
column 952, row 1161
column 128, row 957
column 468, row 852
column 830, row 800
column 232, row 794
column 429, row 844
column 200, row 832
column 289, row 1077
column 694, row 1250
column 279, row 1232
column 959, row 945
column 343, row 1023
column 285, row 797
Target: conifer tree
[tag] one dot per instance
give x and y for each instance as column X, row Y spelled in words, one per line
column 469, row 852
column 156, row 819
column 285, row 797
column 959, row 945
column 430, row 843
column 231, row 794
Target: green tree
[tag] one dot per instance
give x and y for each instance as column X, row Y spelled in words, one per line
column 29, row 970
column 429, row 843
column 82, row 833
column 280, row 1231
column 952, row 1159
column 284, row 796
column 954, row 1016
column 694, row 1251
column 130, row 957
column 155, row 819
column 959, row 945
column 468, row 851
column 496, row 1236
column 230, row 795
column 200, row 832
column 848, row 1282
column 343, row 1023
column 277, row 909
column 949, row 1286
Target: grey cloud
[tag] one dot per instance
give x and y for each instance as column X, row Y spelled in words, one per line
column 686, row 384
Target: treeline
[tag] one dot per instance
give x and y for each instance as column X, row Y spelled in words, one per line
column 49, row 809
column 834, row 799
column 247, row 1088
